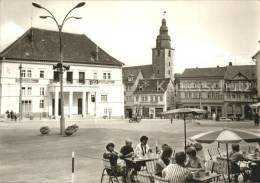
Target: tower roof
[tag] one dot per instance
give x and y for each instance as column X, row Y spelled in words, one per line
column 163, row 39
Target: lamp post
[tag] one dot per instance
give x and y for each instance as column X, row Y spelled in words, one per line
column 60, row 67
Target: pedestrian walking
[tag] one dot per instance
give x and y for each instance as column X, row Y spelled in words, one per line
column 171, row 120
column 15, row 116
column 12, row 115
column 256, row 119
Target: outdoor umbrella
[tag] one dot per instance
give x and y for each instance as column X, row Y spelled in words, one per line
column 255, row 106
column 226, row 136
column 184, row 111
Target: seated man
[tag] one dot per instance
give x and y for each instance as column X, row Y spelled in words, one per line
column 142, row 148
column 235, row 157
column 113, row 155
column 194, row 162
column 176, row 172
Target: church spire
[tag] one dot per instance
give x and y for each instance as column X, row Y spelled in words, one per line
column 163, row 39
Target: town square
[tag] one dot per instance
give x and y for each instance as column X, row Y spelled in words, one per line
column 129, row 91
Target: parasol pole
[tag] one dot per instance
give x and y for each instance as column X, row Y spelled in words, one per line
column 184, row 135
column 228, row 163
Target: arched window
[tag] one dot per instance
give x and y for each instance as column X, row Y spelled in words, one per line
column 169, row 53
column 169, row 72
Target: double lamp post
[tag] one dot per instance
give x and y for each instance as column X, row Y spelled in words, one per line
column 61, row 68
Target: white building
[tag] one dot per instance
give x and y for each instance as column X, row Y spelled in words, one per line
column 92, row 85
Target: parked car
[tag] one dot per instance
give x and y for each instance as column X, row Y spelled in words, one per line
column 224, row 119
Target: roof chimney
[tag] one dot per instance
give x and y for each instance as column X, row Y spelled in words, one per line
column 95, row 54
column 230, row 64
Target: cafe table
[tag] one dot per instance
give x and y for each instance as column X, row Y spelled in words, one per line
column 139, row 159
column 204, row 177
column 253, row 158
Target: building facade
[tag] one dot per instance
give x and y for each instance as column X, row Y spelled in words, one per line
column 226, row 91
column 92, row 86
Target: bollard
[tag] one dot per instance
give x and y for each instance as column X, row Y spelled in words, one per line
column 72, row 172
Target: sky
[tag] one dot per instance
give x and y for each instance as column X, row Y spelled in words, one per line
column 203, row 33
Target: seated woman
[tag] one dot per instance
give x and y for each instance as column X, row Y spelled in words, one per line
column 199, row 151
column 194, row 163
column 163, row 161
column 113, row 155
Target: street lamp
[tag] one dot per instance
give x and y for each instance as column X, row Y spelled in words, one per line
column 60, row 67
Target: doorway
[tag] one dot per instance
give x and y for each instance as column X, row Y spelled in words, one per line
column 79, row 105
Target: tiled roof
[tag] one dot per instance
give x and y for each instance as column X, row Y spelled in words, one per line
column 44, row 46
column 130, row 71
column 204, row 72
column 249, row 71
column 151, row 86
column 147, row 70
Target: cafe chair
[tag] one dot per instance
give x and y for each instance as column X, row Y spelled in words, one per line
column 143, row 177
column 222, row 168
column 214, row 152
column 113, row 177
column 158, row 179
column 210, row 165
column 150, row 166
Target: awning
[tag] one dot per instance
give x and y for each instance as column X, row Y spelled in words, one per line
column 255, row 105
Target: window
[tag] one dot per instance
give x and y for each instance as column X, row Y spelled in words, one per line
column 172, row 99
column 41, row 104
column 217, row 95
column 94, row 75
column 41, row 74
column 167, row 99
column 158, row 71
column 158, row 53
column 169, row 53
column 137, row 99
column 146, row 98
column 142, row 98
column 190, row 95
column 212, row 95
column 169, row 63
column 161, row 98
column 195, row 95
column 105, row 111
column 41, row 91
column 108, row 75
column 209, row 95
column 56, row 76
column 69, row 77
column 246, row 96
column 103, row 98
column 23, row 73
column 228, row 95
column 104, row 75
column 233, row 95
column 29, row 91
column 169, row 72
column 29, row 74
column 186, row 95
column 238, row 95
column 130, row 97
column 93, row 98
column 82, row 77
column 23, row 90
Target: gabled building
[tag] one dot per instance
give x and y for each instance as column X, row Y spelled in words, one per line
column 153, row 96
column 131, row 78
column 92, row 86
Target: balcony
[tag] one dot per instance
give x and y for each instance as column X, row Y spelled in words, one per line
column 87, row 82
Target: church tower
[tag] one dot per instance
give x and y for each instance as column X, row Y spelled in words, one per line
column 163, row 54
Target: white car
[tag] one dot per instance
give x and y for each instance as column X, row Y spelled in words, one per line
column 224, row 119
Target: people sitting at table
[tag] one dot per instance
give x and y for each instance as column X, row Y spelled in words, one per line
column 193, row 162
column 236, row 156
column 163, row 161
column 176, row 173
column 113, row 155
column 200, row 152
